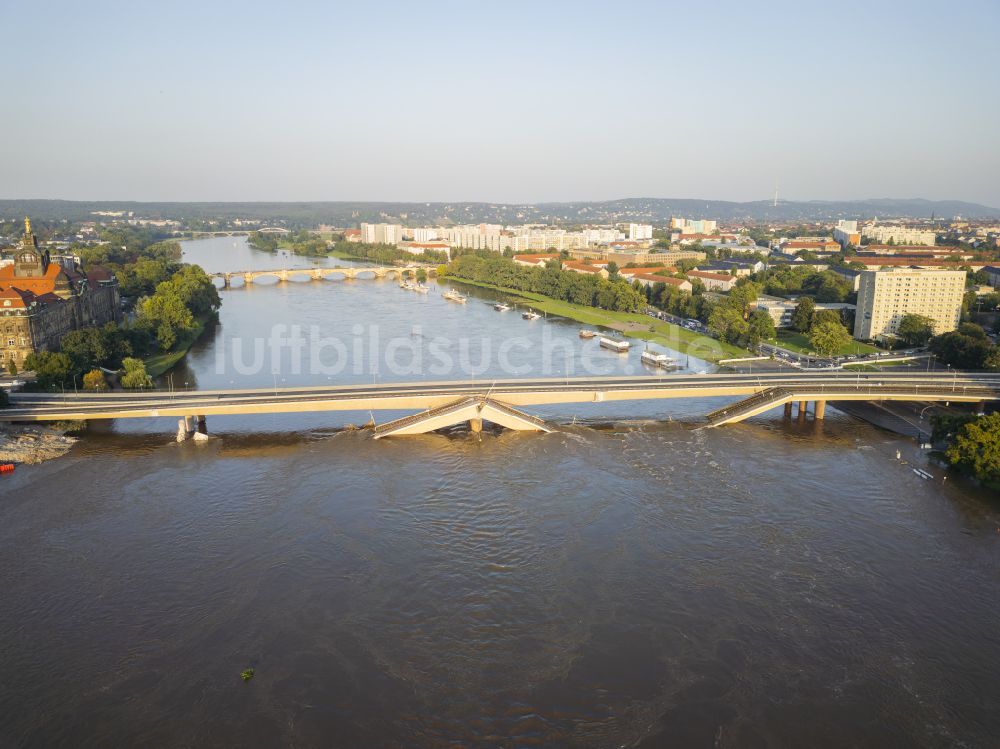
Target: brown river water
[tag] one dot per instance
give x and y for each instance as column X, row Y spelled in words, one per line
column 629, row 580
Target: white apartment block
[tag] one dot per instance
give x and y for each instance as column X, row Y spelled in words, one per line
column 846, row 232
column 424, row 234
column 540, row 240
column 478, row 237
column 898, row 235
column 698, row 226
column 381, row 233
column 602, row 236
column 885, row 296
column 639, row 232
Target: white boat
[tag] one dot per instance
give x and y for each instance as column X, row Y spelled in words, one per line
column 530, row 315
column 454, row 296
column 588, row 333
column 421, row 288
column 656, row 360
column 501, row 307
column 614, row 344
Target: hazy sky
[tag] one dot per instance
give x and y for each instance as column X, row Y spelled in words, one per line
column 499, row 101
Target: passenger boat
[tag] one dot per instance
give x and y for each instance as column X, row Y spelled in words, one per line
column 501, row 307
column 454, row 296
column 530, row 315
column 656, row 360
column 587, row 333
column 615, row 344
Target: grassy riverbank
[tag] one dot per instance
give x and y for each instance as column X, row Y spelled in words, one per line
column 795, row 341
column 631, row 324
column 158, row 364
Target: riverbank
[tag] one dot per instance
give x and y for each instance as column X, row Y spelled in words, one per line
column 631, row 324
column 158, row 364
column 29, row 445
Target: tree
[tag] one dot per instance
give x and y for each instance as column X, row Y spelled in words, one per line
column 828, row 337
column 51, row 369
column 94, row 380
column 976, row 448
column 915, row 329
column 135, row 376
column 761, row 326
column 12, row 367
column 421, row 275
column 803, row 315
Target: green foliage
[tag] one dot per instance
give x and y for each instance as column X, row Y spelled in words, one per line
column 735, row 321
column 794, row 280
column 247, row 674
column 915, row 330
column 99, row 347
column 135, row 377
column 421, row 275
column 802, row 317
column 94, row 380
column 387, row 254
column 965, row 348
column 52, row 369
column 944, row 426
column 266, row 242
column 585, row 289
column 828, row 336
column 975, row 447
column 12, row 368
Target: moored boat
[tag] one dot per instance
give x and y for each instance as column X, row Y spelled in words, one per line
column 501, row 307
column 530, row 315
column 454, row 296
column 615, row 344
column 588, row 333
column 656, row 360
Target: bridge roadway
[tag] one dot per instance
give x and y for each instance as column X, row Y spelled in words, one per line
column 318, row 273
column 766, row 391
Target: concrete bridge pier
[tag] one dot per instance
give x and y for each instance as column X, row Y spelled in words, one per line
column 803, row 406
column 788, row 410
column 476, row 425
column 819, row 411
column 202, row 424
column 227, row 280
column 247, row 279
column 184, row 428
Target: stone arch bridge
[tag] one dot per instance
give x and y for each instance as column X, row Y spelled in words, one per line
column 318, row 274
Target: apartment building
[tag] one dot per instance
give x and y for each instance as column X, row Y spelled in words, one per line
column 381, row 233
column 898, row 234
column 698, row 226
column 885, row 296
column 528, row 239
column 640, row 232
column 478, row 237
column 846, row 233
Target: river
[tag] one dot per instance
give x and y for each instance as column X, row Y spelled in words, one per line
column 628, row 580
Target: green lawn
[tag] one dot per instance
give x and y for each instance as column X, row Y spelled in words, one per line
column 632, row 324
column 157, row 364
column 795, row 341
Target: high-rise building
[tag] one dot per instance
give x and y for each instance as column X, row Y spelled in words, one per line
column 425, row 234
column 639, row 232
column 699, row 226
column 381, row 233
column 846, row 233
column 478, row 237
column 885, row 296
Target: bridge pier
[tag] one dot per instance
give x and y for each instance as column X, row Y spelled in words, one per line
column 803, row 407
column 202, row 427
column 184, row 428
column 476, row 425
column 820, row 410
column 788, row 410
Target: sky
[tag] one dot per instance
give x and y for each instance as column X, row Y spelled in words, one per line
column 499, row 101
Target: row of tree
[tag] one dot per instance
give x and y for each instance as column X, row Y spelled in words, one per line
column 586, row 289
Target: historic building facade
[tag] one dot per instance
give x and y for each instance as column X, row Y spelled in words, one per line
column 42, row 298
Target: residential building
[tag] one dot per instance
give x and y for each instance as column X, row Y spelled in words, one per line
column 817, row 245
column 847, row 233
column 885, row 296
column 898, row 234
column 381, row 233
column 42, row 298
column 603, row 236
column 640, row 232
column 352, row 235
column 650, row 279
column 902, row 261
column 630, row 273
column 478, row 237
column 419, row 248
column 638, row 257
column 712, row 281
column 738, row 268
column 537, row 261
column 577, row 266
column 699, row 226
column 781, row 310
column 425, row 234
column 993, row 275
column 527, row 239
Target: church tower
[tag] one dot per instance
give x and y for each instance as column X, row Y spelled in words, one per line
column 29, row 262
